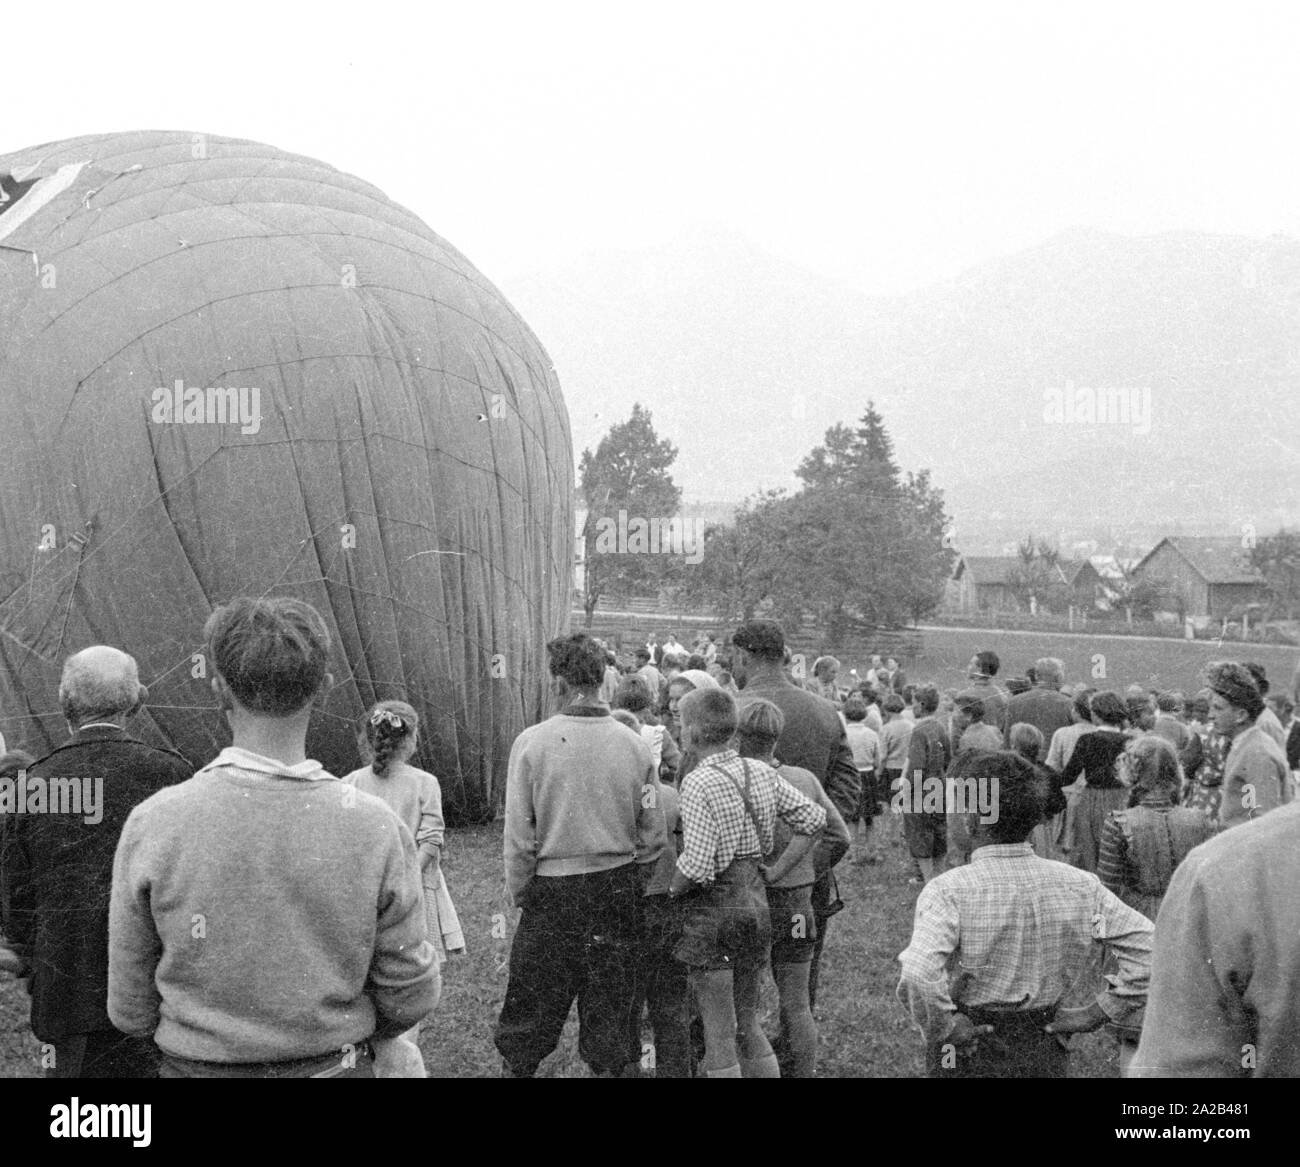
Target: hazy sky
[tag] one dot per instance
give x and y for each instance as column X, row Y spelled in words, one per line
column 888, row 145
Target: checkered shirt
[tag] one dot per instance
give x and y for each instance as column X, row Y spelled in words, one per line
column 715, row 824
column 1012, row 930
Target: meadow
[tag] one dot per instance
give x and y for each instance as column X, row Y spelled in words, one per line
column 1101, row 661
column 864, row 1031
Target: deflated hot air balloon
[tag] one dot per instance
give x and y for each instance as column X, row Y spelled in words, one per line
column 227, row 370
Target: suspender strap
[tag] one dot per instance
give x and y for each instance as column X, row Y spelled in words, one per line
column 744, row 797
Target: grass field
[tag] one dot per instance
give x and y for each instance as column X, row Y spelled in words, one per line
column 864, row 1032
column 1104, row 662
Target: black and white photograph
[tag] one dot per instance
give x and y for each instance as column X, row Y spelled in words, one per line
column 685, row 541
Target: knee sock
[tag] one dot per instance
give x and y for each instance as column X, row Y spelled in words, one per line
column 765, row 1066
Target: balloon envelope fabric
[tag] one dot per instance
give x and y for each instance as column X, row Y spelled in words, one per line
column 227, row 370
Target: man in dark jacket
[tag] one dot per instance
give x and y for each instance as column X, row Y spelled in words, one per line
column 982, row 669
column 813, row 739
column 56, row 865
column 1044, row 706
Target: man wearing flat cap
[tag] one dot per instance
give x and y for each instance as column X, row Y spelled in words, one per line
column 56, row 867
column 1255, row 774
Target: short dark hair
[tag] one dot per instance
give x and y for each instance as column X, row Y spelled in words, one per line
column 696, row 661
column 641, row 652
column 909, row 694
column 927, row 697
column 972, row 707
column 577, row 659
column 1168, row 702
column 763, row 638
column 987, row 662
column 272, row 652
column 1021, row 791
column 1110, row 708
column 855, row 709
column 1083, row 704
column 632, row 694
column 893, row 704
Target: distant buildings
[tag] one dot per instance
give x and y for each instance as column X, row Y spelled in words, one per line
column 983, row 583
column 1203, row 577
column 1198, row 578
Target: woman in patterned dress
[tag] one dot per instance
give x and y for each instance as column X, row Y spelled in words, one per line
column 1142, row 845
column 1205, row 787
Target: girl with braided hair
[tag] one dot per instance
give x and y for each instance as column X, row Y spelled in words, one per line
column 390, row 732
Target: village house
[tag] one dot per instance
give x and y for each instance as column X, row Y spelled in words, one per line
column 983, row 583
column 1203, row 577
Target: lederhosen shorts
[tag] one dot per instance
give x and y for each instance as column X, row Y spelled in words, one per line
column 727, row 924
column 794, row 924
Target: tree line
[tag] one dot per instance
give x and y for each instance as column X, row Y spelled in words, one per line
column 859, row 544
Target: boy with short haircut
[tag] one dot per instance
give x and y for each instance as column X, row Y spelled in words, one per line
column 729, row 807
column 789, row 900
column 582, row 817
column 267, row 919
column 664, row 984
column 999, row 945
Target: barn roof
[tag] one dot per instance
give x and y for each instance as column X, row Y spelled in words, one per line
column 997, row 569
column 986, row 569
column 1217, row 559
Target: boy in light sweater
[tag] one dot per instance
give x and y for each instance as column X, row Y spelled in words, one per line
column 266, row 919
column 583, row 821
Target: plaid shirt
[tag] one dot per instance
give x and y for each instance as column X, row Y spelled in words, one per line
column 715, row 824
column 1015, row 931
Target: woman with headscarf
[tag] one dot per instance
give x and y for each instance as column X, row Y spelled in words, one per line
column 678, row 687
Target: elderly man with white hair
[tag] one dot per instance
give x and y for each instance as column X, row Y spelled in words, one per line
column 57, row 864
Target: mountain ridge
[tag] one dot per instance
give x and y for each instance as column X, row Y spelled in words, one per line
column 745, row 358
